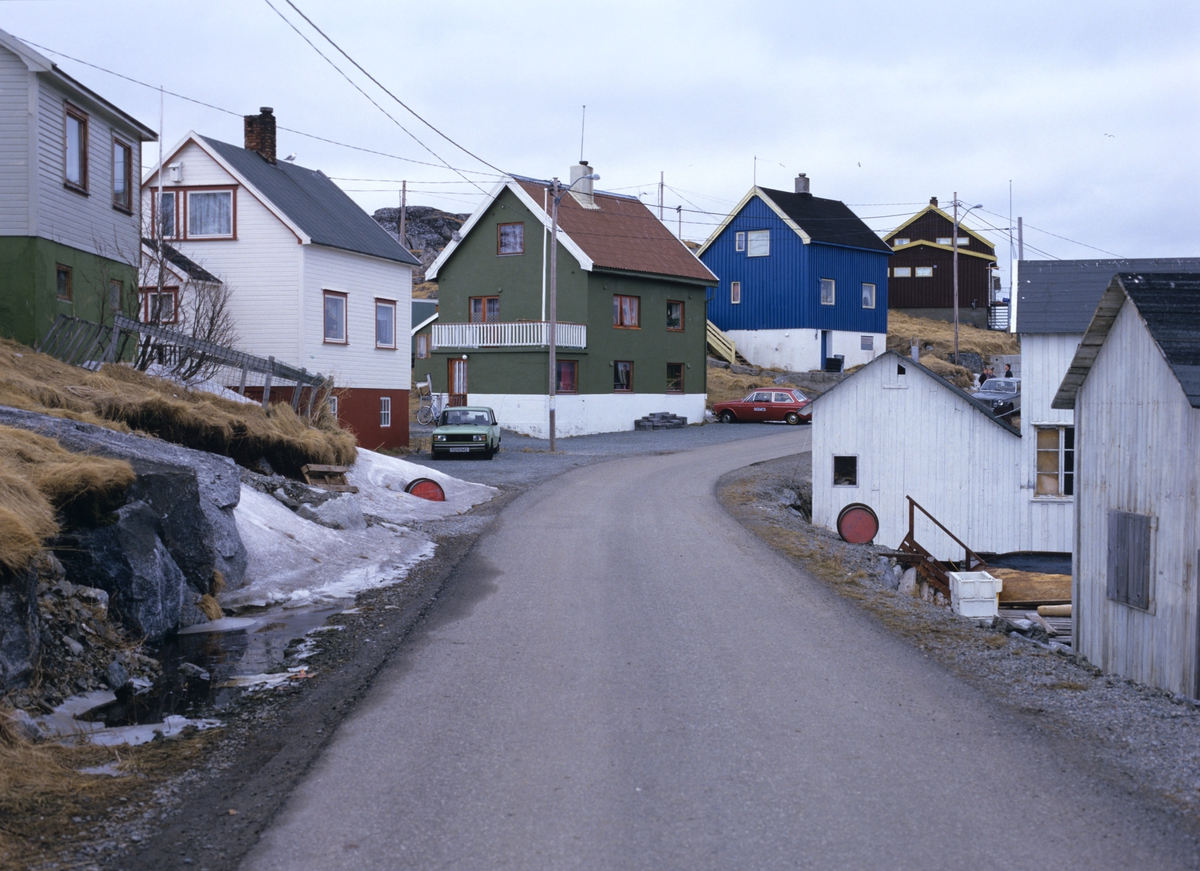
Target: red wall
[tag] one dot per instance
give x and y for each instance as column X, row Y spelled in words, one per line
column 358, row 411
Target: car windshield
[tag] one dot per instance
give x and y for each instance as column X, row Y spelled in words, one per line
column 465, row 417
column 1000, row 385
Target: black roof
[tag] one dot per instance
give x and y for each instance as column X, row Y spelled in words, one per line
column 828, row 221
column 315, row 204
column 1060, row 296
column 1169, row 304
column 186, row 264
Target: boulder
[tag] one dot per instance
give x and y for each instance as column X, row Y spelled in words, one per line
column 908, row 582
column 193, row 492
column 18, row 628
column 343, row 512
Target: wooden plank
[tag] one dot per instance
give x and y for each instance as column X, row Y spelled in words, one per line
column 1032, row 588
column 317, row 467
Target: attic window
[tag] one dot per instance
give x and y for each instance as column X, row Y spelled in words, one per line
column 510, row 238
column 899, row 240
column 758, row 243
column 900, row 370
column 739, row 241
column 209, row 214
column 949, row 240
column 902, row 272
column 924, row 272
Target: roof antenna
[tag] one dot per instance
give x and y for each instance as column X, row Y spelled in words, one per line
column 582, row 128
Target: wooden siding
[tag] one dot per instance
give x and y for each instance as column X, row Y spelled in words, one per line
column 914, row 437
column 783, row 290
column 931, row 226
column 1138, row 440
column 1044, row 362
column 15, row 82
column 358, row 363
column 938, row 291
column 89, row 223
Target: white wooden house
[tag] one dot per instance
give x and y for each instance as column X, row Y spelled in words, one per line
column 894, row 429
column 69, row 213
column 314, row 281
column 1134, row 386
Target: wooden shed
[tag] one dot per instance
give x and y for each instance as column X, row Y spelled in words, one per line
column 1134, row 385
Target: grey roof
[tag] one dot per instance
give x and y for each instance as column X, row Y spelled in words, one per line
column 1169, row 306
column 957, row 391
column 184, row 263
column 1059, row 296
column 314, row 203
column 423, row 310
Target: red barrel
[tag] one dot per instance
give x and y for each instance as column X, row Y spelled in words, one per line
column 426, row 488
column 857, row 524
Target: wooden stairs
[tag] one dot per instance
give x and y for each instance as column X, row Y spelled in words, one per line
column 935, row 572
column 722, row 347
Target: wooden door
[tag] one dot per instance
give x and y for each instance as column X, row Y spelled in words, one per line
column 457, row 379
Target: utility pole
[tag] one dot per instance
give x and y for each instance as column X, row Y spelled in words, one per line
column 679, row 212
column 1020, row 241
column 954, row 241
column 403, row 226
column 552, row 338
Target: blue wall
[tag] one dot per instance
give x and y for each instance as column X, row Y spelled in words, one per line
column 783, row 290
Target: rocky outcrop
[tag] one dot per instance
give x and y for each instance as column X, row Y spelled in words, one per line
column 428, row 231
column 161, row 551
column 18, row 628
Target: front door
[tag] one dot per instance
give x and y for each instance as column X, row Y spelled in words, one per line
column 457, row 379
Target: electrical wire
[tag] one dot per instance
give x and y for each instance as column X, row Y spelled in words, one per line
column 1064, row 238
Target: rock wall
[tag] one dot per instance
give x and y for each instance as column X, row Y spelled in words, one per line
column 18, row 628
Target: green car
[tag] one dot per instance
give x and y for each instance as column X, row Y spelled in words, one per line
column 466, row 430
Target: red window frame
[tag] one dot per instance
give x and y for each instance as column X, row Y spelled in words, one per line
column 626, row 312
column 182, row 230
column 679, row 380
column 567, row 383
column 148, row 294
column 123, row 154
column 622, row 385
column 488, row 306
column 387, row 303
column 679, row 328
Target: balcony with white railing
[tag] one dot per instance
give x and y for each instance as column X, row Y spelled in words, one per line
column 499, row 334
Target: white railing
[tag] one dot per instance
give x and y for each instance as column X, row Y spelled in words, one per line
column 508, row 335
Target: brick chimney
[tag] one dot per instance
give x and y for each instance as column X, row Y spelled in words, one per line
column 933, row 202
column 260, row 133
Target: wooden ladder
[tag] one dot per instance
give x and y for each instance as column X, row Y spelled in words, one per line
column 934, row 571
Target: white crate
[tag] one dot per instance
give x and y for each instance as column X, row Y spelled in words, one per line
column 975, row 594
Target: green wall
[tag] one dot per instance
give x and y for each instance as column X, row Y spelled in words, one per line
column 28, row 290
column 475, row 269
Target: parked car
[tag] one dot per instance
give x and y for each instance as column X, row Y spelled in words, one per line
column 470, row 429
column 1001, row 395
column 777, row 403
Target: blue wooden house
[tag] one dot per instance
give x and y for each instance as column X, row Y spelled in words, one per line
column 802, row 281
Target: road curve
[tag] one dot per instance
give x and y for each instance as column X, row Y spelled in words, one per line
column 621, row 677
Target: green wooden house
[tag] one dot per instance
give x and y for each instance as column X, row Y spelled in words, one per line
column 631, row 319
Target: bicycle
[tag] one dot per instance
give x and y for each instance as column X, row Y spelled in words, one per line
column 431, row 403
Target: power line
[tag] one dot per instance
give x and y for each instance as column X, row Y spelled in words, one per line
column 1064, row 238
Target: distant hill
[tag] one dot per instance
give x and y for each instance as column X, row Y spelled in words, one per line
column 429, row 230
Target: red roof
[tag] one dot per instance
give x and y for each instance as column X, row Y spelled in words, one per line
column 623, row 234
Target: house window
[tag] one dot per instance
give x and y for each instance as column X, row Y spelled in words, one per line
column 510, row 238
column 1055, row 461
column 625, row 312
column 866, row 343
column 122, row 173
column 828, row 291
column 902, row 272
column 568, row 380
column 758, row 243
column 735, row 292
column 335, row 318
column 210, row 214
column 160, row 308
column 385, row 411
column 739, row 241
column 75, row 167
column 485, row 309
column 332, row 404
column 845, row 471
column 62, row 282
column 949, row 240
column 1129, row 558
column 165, row 214
column 675, row 315
column 899, row 240
column 423, row 347
column 385, row 323
column 868, row 296
column 116, row 290
column 623, row 376
column 944, row 240
column 674, row 378
column 924, row 272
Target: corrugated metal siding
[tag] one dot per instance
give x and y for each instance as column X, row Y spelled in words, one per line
column 783, row 290
column 1138, row 440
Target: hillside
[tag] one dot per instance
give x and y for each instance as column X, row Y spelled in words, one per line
column 429, row 230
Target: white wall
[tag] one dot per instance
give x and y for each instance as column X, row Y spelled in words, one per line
column 584, row 414
column 363, row 279
column 799, row 350
column 1139, row 441
column 914, row 437
column 15, row 82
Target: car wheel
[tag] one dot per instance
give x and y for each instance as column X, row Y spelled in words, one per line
column 433, row 455
column 728, row 416
column 489, row 453
column 792, row 418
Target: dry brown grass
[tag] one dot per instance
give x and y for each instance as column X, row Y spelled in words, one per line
column 725, row 386
column 959, row 376
column 122, row 398
column 903, row 328
column 40, row 482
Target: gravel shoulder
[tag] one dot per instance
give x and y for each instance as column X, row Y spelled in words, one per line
column 1148, row 739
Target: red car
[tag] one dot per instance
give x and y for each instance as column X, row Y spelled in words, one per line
column 775, row 403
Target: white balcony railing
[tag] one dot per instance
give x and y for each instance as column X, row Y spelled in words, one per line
column 508, row 335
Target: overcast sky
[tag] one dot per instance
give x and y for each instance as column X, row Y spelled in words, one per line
column 1090, row 109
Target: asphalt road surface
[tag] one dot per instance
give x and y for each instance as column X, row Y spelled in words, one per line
column 621, row 677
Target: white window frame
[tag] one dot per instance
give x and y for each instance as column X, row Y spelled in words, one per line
column 422, row 346
column 758, row 243
column 385, row 412
column 902, row 272
column 739, row 241
column 830, row 298
column 332, row 404
column 344, row 299
column 735, row 293
column 232, row 213
column 900, row 240
column 865, row 285
column 923, row 272
column 384, row 304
